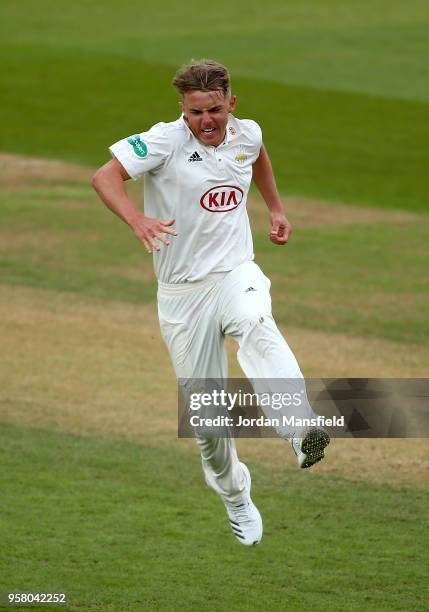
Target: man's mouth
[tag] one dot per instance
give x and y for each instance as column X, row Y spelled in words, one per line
column 208, row 130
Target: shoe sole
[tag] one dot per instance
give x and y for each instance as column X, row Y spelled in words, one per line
column 313, row 447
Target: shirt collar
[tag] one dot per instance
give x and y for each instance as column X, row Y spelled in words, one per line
column 232, row 129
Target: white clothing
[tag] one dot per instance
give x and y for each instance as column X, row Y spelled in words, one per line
column 204, row 273
column 202, row 187
column 194, row 319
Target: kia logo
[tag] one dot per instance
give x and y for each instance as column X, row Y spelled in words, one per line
column 222, row 198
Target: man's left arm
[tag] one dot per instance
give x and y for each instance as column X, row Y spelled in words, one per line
column 263, row 177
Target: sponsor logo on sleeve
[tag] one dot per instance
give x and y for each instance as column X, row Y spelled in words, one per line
column 222, row 198
column 140, row 147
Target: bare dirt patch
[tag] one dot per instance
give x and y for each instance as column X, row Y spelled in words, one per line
column 91, row 367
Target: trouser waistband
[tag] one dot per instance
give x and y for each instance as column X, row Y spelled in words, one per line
column 174, row 288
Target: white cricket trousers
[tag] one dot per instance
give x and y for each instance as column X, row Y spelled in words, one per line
column 194, row 319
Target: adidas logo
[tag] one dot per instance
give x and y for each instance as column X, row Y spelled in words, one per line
column 195, row 157
column 250, row 289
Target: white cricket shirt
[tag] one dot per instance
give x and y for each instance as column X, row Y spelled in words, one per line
column 203, row 187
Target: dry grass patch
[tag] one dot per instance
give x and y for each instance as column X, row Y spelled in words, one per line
column 30, row 240
column 18, row 171
column 92, row 367
column 396, row 461
column 140, row 273
column 332, row 355
column 84, row 365
column 306, row 213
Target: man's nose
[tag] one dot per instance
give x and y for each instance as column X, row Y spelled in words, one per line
column 206, row 119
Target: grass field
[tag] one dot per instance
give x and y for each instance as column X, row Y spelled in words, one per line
column 90, row 460
column 99, row 497
column 111, row 519
column 360, row 284
column 340, row 90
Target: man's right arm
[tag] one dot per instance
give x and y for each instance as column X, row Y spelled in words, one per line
column 109, row 183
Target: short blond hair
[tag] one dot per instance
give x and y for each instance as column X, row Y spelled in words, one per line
column 202, row 75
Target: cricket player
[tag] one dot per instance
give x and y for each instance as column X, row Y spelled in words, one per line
column 197, row 174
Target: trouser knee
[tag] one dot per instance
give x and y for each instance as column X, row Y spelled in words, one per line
column 261, row 335
column 264, row 353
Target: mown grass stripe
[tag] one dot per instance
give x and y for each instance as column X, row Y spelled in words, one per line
column 340, row 146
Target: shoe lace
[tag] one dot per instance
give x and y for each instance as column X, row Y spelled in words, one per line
column 240, row 512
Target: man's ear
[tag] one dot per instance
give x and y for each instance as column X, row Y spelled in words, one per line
column 232, row 103
column 181, row 108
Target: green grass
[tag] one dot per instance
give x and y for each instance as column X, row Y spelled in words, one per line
column 374, row 48
column 366, row 280
column 340, row 90
column 72, row 248
column 107, row 523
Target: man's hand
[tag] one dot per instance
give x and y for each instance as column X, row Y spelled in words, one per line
column 149, row 231
column 109, row 183
column 281, row 229
column 264, row 179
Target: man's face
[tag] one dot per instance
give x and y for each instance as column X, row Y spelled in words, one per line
column 206, row 113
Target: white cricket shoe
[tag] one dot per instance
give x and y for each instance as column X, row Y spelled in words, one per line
column 311, row 447
column 244, row 517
